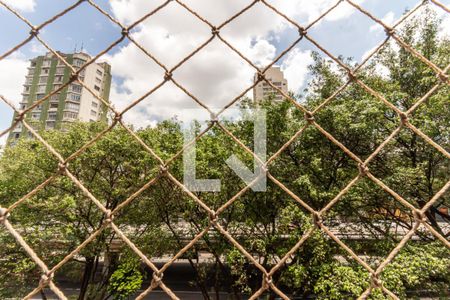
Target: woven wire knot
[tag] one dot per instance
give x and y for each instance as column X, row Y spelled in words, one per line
column 62, row 167
column 19, row 117
column 213, row 217
column 163, row 169
column 215, row 31
column 74, row 76
column 260, row 77
column 375, row 282
column 443, row 77
column 419, row 216
column 389, row 30
column 168, row 76
column 264, row 168
column 157, row 277
column 403, row 118
column 45, row 279
column 302, row 31
column 213, row 118
column 117, row 117
column 267, row 281
column 351, row 75
column 34, row 31
column 363, row 169
column 309, row 117
column 125, row 31
column 317, row 219
column 108, row 216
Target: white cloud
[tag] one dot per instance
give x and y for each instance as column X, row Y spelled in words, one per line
column 22, row 5
column 12, row 75
column 215, row 75
column 295, row 68
column 37, row 48
column 3, row 142
column 306, row 11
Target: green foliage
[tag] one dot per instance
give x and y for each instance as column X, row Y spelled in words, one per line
column 125, row 281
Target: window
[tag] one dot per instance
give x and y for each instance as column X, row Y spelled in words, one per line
column 56, row 86
column 41, row 89
column 17, row 136
column 93, row 113
column 23, row 106
column 50, row 125
column 75, row 97
column 98, row 80
column 54, row 97
column 76, row 88
column 99, row 73
column 39, row 96
column 73, row 106
column 58, row 78
column 94, row 104
column 70, row 115
column 60, row 70
column 25, row 98
column 52, row 116
column 27, row 89
column 45, row 71
column 38, row 108
column 43, row 79
column 97, row 88
column 29, row 80
column 53, row 105
column 33, row 64
column 46, row 63
column 35, row 116
column 78, row 62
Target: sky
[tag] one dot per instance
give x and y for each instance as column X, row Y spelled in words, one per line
column 215, row 75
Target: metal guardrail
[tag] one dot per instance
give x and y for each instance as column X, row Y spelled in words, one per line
column 214, row 222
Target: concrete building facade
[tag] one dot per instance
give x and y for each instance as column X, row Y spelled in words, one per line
column 73, row 103
column 263, row 90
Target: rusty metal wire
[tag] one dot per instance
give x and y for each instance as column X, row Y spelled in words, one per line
column 318, row 216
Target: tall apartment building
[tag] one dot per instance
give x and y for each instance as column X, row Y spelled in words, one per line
column 263, row 90
column 73, row 103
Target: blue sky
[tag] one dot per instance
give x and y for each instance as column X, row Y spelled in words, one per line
column 351, row 35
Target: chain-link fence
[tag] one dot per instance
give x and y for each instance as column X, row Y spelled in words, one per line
column 420, row 220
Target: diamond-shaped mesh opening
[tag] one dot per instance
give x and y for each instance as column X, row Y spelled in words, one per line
column 93, row 23
column 306, row 177
column 424, row 264
column 13, row 34
column 160, row 27
column 19, row 273
column 357, row 110
column 64, row 219
column 399, row 165
column 341, row 39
